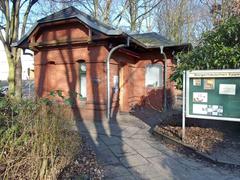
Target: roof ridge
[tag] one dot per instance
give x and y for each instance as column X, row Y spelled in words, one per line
column 66, row 11
column 93, row 18
column 144, row 33
column 71, row 12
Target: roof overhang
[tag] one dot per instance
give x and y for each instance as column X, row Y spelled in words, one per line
column 97, row 26
column 21, row 44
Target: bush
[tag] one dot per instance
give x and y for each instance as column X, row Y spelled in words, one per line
column 35, row 139
column 218, row 49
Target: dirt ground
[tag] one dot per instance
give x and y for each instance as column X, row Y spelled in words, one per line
column 85, row 165
column 217, row 139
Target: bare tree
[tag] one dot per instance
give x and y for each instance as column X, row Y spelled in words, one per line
column 138, row 11
column 12, row 28
column 99, row 9
column 107, row 10
column 149, row 16
column 183, row 20
column 116, row 12
column 172, row 16
column 221, row 10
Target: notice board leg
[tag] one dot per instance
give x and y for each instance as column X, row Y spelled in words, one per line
column 183, row 128
column 183, row 106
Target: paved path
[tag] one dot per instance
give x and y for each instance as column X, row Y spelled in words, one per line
column 128, row 151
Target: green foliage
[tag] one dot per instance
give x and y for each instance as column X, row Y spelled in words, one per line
column 218, row 49
column 67, row 100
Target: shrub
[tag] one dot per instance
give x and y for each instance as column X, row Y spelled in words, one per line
column 218, row 49
column 36, row 141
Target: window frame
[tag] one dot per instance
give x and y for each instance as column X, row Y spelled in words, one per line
column 160, row 67
column 81, row 73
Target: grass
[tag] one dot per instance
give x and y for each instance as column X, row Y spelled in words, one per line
column 35, row 139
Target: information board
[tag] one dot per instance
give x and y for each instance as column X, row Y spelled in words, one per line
column 212, row 94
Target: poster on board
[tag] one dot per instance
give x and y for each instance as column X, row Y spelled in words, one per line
column 200, row 109
column 200, row 97
column 215, row 110
column 227, row 89
column 196, row 82
column 209, row 84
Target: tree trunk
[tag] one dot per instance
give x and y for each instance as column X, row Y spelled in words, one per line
column 95, row 5
column 15, row 78
column 106, row 18
column 13, row 20
column 11, row 77
column 18, row 79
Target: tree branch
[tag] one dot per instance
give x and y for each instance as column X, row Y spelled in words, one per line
column 7, row 16
column 5, row 45
column 126, row 5
column 145, row 13
column 25, row 17
column 23, row 3
column 3, row 7
column 2, row 27
column 16, row 21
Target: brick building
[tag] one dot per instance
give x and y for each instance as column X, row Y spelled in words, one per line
column 70, row 54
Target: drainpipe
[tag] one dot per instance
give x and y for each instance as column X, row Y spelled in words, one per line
column 108, row 75
column 165, row 79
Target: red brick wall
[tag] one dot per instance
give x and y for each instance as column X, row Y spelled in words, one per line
column 57, row 69
column 138, row 95
column 66, row 31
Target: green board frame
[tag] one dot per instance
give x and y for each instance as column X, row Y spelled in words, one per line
column 212, row 94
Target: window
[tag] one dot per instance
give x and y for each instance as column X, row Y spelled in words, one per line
column 82, row 79
column 153, row 76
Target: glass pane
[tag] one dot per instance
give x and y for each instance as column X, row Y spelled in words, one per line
column 153, row 74
column 83, row 67
column 83, row 86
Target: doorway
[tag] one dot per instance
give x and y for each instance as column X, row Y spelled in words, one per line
column 123, row 88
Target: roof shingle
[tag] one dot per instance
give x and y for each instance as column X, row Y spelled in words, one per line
column 146, row 40
column 153, row 39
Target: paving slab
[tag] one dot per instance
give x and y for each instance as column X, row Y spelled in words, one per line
column 149, row 152
column 109, row 129
column 229, row 155
column 110, row 140
column 149, row 171
column 95, row 142
column 182, row 171
column 162, row 148
column 133, row 160
column 114, row 171
column 142, row 134
column 106, row 157
column 137, row 143
column 131, row 177
column 191, row 163
column 128, row 151
column 129, row 131
column 122, row 150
